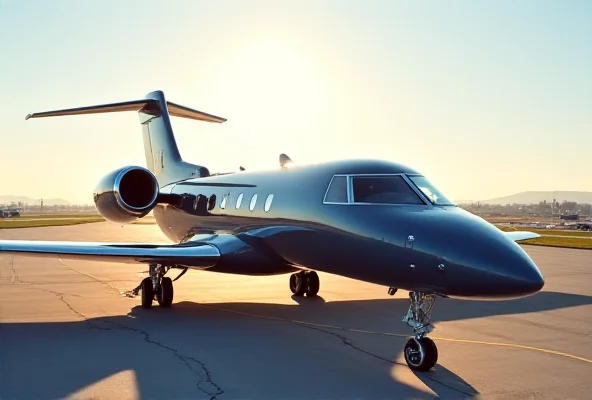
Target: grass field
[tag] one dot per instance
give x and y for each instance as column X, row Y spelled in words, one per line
column 12, row 223
column 572, row 243
column 58, row 215
column 546, row 231
column 39, row 220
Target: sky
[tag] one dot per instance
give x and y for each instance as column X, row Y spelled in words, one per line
column 485, row 98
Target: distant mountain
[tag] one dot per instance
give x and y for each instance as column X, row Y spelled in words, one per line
column 7, row 200
column 534, row 197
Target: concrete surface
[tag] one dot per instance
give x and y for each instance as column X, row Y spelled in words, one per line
column 66, row 331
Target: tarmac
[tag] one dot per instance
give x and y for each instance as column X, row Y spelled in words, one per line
column 66, row 331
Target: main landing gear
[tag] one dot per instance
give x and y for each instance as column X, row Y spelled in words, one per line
column 305, row 282
column 421, row 353
column 157, row 287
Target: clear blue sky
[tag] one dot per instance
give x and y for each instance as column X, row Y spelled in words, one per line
column 484, row 97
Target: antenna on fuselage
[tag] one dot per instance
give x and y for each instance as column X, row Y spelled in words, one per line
column 285, row 161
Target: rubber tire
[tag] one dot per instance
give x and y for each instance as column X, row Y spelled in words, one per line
column 165, row 299
column 298, row 283
column 430, row 354
column 313, row 283
column 147, row 293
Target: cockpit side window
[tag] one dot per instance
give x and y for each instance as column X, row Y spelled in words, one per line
column 430, row 191
column 383, row 190
column 337, row 191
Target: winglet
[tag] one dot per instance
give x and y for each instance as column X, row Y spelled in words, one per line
column 518, row 236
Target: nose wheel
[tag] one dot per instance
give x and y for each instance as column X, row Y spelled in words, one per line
column 305, row 282
column 421, row 353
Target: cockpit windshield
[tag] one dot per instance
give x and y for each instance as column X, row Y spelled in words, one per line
column 430, row 191
column 383, row 190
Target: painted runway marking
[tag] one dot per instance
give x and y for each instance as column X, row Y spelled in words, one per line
column 367, row 332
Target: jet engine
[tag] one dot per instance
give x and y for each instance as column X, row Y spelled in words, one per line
column 126, row 194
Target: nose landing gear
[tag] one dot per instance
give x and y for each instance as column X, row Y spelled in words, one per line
column 421, row 353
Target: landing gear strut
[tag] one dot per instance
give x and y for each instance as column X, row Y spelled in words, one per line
column 305, row 282
column 156, row 287
column 421, row 353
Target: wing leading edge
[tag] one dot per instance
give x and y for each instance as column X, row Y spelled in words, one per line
column 192, row 254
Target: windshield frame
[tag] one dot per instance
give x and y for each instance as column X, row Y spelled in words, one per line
column 448, row 202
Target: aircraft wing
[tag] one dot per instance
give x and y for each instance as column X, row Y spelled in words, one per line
column 196, row 255
column 521, row 235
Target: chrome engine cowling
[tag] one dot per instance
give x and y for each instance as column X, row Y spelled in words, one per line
column 126, row 194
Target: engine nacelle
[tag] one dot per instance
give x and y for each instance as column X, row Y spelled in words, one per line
column 126, row 194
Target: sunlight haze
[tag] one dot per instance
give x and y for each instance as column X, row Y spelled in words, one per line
column 485, row 98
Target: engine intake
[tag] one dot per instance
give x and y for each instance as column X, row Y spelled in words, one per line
column 126, row 194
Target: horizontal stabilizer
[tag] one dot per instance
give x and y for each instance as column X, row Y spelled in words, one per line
column 194, row 255
column 146, row 105
column 521, row 235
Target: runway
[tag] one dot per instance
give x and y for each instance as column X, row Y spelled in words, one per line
column 66, row 331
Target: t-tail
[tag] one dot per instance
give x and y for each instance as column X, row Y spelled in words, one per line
column 162, row 154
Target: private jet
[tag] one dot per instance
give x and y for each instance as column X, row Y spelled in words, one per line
column 371, row 220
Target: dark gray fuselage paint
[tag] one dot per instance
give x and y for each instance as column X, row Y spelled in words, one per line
column 454, row 253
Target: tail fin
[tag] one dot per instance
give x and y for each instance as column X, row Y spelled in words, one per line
column 162, row 154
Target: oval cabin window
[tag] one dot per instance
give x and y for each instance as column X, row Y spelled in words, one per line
column 223, row 201
column 268, row 202
column 253, row 202
column 212, row 202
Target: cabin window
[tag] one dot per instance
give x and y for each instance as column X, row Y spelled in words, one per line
column 337, row 191
column 212, row 202
column 268, row 202
column 253, row 202
column 223, row 201
column 239, row 200
column 383, row 190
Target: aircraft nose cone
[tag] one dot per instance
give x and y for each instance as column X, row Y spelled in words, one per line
column 521, row 277
column 485, row 263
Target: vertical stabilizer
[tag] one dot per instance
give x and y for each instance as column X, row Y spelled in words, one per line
column 160, row 147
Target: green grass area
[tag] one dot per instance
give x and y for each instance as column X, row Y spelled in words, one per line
column 18, row 223
column 59, row 215
column 545, row 231
column 497, row 220
column 572, row 243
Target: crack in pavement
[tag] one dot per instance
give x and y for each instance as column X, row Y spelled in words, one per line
column 349, row 343
column 94, row 278
column 205, row 384
column 204, row 376
column 14, row 278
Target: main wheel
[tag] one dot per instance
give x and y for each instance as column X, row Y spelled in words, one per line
column 313, row 284
column 147, row 293
column 298, row 283
column 421, row 357
column 165, row 297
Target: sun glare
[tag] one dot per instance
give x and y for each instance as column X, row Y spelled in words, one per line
column 281, row 80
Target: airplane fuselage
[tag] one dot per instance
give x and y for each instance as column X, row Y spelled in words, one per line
column 282, row 220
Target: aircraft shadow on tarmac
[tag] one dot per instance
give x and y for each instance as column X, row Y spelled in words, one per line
column 174, row 350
